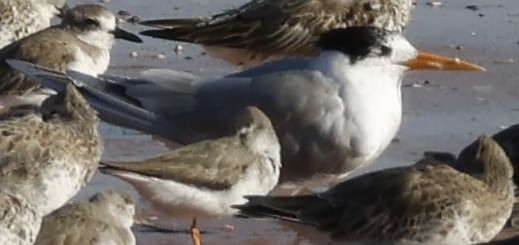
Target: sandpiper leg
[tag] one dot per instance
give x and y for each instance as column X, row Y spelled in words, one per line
column 195, row 233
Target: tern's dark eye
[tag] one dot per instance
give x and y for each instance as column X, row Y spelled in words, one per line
column 386, row 51
column 91, row 22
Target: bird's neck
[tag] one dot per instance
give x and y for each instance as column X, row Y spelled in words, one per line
column 497, row 174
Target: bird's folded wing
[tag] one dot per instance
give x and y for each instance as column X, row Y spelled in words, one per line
column 216, row 165
column 269, row 27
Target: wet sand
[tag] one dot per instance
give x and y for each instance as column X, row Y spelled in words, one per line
column 442, row 111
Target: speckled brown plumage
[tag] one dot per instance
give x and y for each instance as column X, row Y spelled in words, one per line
column 19, row 222
column 105, row 219
column 20, row 18
column 427, row 203
column 48, row 155
column 81, row 42
column 271, row 29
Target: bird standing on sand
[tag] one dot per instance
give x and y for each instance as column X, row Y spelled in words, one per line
column 266, row 30
column 47, row 155
column 105, row 219
column 332, row 113
column 20, row 18
column 82, row 42
column 204, row 179
column 427, row 203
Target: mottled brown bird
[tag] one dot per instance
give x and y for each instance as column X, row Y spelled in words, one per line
column 266, row 30
column 426, row 203
column 204, row 179
column 82, row 42
column 19, row 222
column 105, row 219
column 20, row 18
column 48, row 154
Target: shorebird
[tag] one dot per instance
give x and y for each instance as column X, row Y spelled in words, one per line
column 19, row 222
column 20, row 18
column 49, row 154
column 427, row 203
column 508, row 139
column 266, row 30
column 332, row 113
column 105, row 219
column 82, row 42
column 204, row 179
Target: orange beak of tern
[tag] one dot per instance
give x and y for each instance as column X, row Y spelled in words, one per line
column 428, row 61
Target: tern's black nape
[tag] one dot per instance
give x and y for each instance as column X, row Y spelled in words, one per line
column 356, row 42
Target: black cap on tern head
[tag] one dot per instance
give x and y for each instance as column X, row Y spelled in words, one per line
column 356, row 42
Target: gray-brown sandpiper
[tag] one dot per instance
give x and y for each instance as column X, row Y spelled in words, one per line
column 105, row 219
column 204, row 179
column 82, row 42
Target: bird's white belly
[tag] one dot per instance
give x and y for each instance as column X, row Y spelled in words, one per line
column 184, row 200
column 87, row 64
column 61, row 182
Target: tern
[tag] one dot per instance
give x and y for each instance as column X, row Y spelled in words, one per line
column 332, row 113
column 266, row 30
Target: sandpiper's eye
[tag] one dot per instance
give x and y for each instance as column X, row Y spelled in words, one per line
column 92, row 22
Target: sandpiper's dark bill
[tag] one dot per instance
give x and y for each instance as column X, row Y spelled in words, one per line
column 128, row 36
